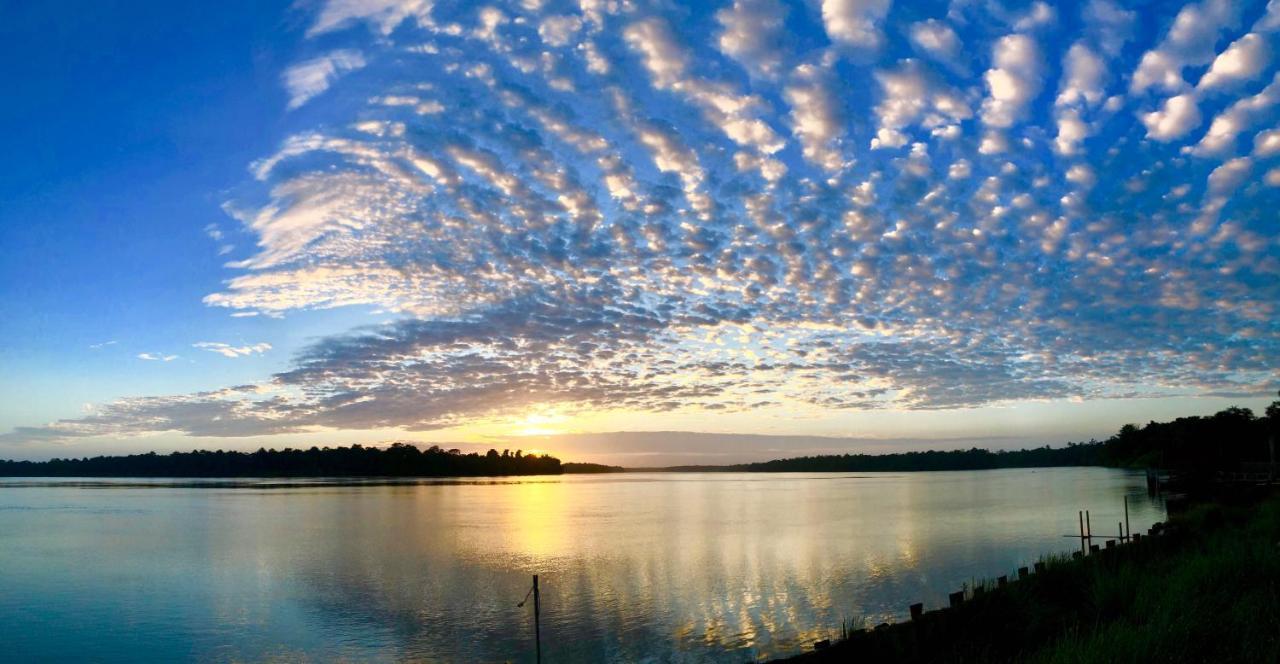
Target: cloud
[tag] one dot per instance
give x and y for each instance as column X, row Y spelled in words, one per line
column 815, row 116
column 909, row 95
column 384, row 15
column 1244, row 60
column 1013, row 80
column 720, row 214
column 157, row 357
column 312, row 77
column 855, row 23
column 1241, row 115
column 753, row 33
column 1190, row 41
column 936, row 40
column 227, row 350
column 1179, row 116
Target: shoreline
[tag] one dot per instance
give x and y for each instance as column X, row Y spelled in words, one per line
column 1113, row 603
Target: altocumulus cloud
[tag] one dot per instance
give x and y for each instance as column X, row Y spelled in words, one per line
column 839, row 205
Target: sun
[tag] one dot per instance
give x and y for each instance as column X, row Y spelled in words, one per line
column 540, row 424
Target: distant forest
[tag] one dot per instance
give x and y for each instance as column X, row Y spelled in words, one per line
column 398, row 460
column 1226, row 440
column 1222, row 441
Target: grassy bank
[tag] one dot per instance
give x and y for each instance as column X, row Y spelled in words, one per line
column 1206, row 590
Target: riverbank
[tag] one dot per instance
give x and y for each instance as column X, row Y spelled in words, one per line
column 1205, row 587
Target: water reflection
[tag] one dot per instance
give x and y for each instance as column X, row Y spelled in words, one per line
column 633, row 568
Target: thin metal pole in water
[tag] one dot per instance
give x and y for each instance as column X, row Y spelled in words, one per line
column 1088, row 527
column 537, row 626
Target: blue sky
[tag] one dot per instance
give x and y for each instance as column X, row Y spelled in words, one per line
column 340, row 221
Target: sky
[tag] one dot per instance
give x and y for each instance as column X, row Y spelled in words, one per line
column 632, row 232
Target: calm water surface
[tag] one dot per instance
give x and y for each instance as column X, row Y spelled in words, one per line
column 634, row 567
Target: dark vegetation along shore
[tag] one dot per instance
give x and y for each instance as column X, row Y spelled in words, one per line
column 1204, row 587
column 398, row 460
column 1225, row 440
column 1230, row 439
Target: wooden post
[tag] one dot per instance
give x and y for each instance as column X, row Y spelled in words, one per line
column 917, row 610
column 1002, row 581
column 1126, row 518
column 537, row 626
column 1121, row 527
column 1039, row 567
column 1023, row 572
column 956, row 598
column 1081, row 514
column 1088, row 527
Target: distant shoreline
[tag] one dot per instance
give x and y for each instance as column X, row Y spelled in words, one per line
column 1191, row 444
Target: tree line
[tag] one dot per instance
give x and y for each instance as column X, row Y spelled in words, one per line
column 1227, row 440
column 397, row 460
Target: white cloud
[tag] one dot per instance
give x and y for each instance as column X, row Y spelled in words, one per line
column 559, row 30
column 1190, row 41
column 1179, row 116
column 752, row 34
column 157, row 357
column 908, row 97
column 1108, row 25
column 815, row 118
column 1082, row 175
column 312, row 77
column 1040, row 15
column 1013, row 80
column 1238, row 117
column 1071, row 130
column 227, row 350
column 1266, row 143
column 1242, row 61
column 384, row 15
column 1084, row 72
column 1229, row 176
column 936, row 40
column 855, row 22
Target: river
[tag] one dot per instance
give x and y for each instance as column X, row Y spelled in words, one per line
column 662, row 567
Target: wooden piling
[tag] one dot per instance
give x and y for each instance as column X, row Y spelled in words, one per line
column 1082, row 542
column 917, row 610
column 537, row 626
column 1093, row 548
column 956, row 598
column 1002, row 581
column 1023, row 573
column 1127, row 533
